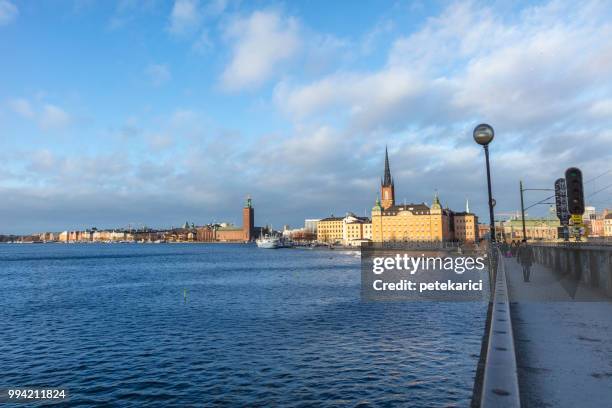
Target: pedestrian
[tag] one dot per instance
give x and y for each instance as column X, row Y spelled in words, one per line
column 525, row 258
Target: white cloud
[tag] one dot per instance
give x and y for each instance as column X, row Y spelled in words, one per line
column 541, row 77
column 48, row 116
column 185, row 17
column 357, row 93
column 8, row 12
column 158, row 73
column 54, row 117
column 470, row 62
column 260, row 43
column 22, row 107
column 602, row 109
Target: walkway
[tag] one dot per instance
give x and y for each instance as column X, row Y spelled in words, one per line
column 563, row 346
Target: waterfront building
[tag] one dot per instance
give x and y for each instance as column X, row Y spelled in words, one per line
column 230, row 233
column 589, row 213
column 348, row 230
column 310, row 225
column 595, row 227
column 356, row 230
column 411, row 222
column 465, row 227
column 330, row 230
column 205, row 234
column 49, row 236
column 224, row 232
column 418, row 222
column 299, row 234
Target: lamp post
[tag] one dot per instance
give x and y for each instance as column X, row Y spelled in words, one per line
column 483, row 135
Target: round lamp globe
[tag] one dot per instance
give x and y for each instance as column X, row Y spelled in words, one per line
column 483, row 134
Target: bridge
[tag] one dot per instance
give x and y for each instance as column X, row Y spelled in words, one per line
column 548, row 340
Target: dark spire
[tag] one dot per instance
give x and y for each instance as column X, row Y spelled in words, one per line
column 387, row 181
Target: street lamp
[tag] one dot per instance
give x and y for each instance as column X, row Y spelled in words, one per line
column 483, row 135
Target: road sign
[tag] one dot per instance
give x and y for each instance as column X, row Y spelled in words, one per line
column 561, row 201
column 576, row 220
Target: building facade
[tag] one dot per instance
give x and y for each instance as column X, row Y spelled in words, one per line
column 417, row 222
column 350, row 230
column 607, row 225
column 310, row 225
column 228, row 232
column 537, row 229
column 330, row 230
column 466, row 226
column 356, row 230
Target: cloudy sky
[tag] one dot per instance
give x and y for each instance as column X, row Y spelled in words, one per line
column 157, row 112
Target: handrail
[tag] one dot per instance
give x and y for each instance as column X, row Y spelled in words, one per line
column 500, row 387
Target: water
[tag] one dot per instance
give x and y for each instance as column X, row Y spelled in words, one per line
column 258, row 328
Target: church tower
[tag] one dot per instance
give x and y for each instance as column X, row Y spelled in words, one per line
column 248, row 220
column 387, row 190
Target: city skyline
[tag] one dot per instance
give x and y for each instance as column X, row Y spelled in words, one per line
column 159, row 112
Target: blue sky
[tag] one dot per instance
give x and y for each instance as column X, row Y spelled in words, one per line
column 156, row 112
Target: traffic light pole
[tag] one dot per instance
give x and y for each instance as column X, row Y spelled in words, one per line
column 523, row 212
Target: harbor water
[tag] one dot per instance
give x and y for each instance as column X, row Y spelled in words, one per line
column 224, row 325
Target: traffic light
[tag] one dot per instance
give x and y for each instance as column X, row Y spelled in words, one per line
column 575, row 191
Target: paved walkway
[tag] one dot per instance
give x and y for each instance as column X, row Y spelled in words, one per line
column 563, row 346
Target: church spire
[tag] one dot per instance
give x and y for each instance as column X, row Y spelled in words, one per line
column 387, row 181
column 467, row 205
column 387, row 191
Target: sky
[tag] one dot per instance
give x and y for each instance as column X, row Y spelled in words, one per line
column 160, row 112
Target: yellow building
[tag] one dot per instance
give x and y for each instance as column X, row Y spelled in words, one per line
column 349, row 230
column 411, row 222
column 465, row 226
column 418, row 222
column 330, row 230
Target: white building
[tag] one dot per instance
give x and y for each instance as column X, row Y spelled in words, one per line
column 310, row 225
column 356, row 230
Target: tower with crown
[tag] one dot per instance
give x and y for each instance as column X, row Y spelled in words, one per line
column 248, row 220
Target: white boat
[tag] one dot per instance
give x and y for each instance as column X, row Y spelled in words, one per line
column 273, row 242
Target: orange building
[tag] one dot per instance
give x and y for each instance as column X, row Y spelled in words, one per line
column 231, row 233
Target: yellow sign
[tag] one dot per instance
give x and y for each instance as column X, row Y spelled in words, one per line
column 576, row 219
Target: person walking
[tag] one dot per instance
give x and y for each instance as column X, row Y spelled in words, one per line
column 525, row 258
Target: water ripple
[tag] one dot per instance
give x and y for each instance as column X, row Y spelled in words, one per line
column 258, row 328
